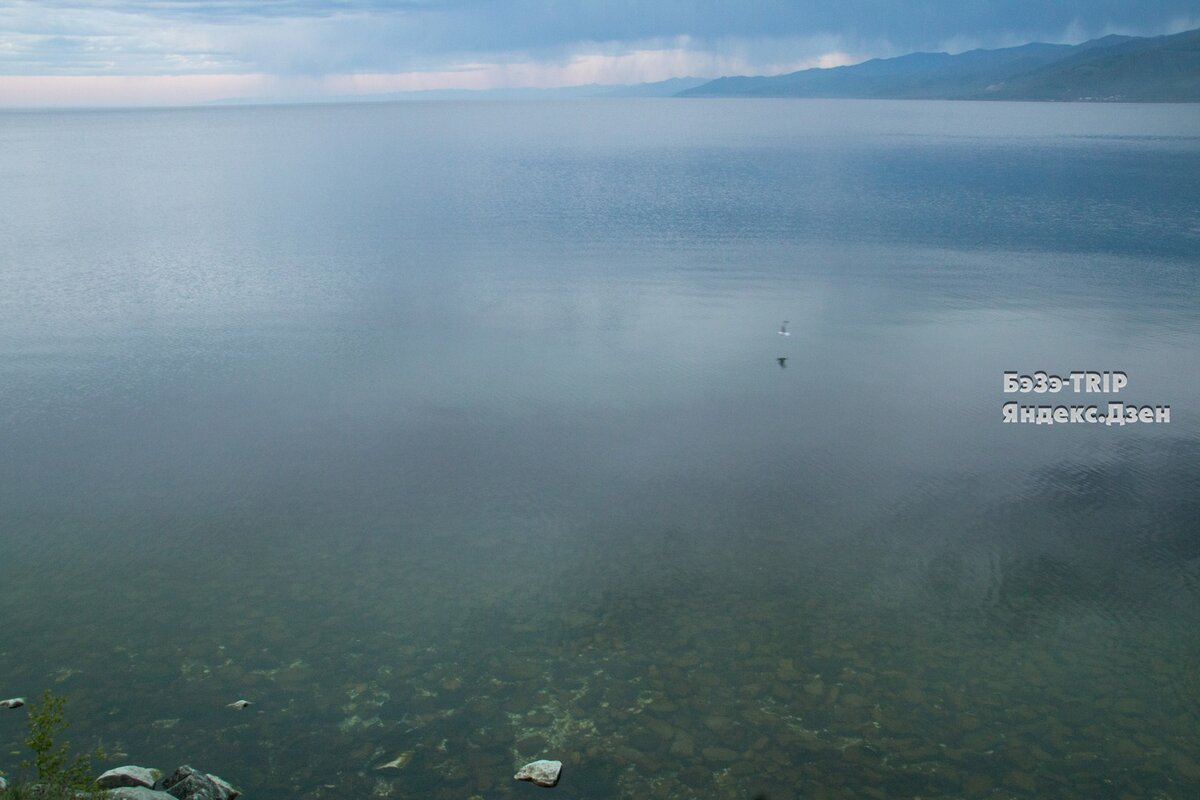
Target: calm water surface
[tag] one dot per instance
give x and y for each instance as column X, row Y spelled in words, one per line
column 460, row 431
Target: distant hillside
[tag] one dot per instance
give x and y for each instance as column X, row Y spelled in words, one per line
column 1162, row 69
column 1115, row 68
column 667, row 88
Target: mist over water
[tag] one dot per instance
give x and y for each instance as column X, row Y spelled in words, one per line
column 459, row 430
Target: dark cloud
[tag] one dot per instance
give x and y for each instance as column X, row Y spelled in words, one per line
column 910, row 24
column 311, row 36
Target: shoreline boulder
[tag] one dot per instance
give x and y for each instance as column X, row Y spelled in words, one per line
column 137, row 793
column 187, row 783
column 130, row 775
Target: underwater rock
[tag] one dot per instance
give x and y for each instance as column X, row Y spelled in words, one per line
column 130, row 775
column 137, row 793
column 542, row 773
column 683, row 746
column 12, row 702
column 517, row 669
column 398, row 763
column 187, row 783
column 1021, row 780
column 720, row 754
column 659, row 727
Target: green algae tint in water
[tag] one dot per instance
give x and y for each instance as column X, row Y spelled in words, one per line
column 457, row 434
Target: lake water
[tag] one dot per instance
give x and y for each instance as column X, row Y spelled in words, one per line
column 460, row 431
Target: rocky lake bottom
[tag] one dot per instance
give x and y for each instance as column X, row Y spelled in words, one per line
column 679, row 679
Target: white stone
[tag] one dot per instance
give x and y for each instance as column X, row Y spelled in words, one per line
column 542, row 773
column 128, row 776
column 398, row 763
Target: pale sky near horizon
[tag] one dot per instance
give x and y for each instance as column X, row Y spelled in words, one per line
column 151, row 52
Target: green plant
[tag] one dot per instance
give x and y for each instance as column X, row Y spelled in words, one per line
column 51, row 759
column 39, row 791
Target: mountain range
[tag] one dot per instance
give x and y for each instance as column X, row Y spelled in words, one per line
column 1163, row 69
column 1113, row 68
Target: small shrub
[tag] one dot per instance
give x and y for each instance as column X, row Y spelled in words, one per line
column 55, row 767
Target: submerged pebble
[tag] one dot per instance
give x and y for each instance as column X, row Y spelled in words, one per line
column 398, row 763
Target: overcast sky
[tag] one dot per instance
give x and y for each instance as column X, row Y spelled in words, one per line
column 182, row 51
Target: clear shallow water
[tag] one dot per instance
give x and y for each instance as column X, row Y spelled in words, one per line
column 458, row 430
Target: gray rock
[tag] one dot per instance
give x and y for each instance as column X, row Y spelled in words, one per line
column 137, row 793
column 128, row 776
column 542, row 773
column 187, row 783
